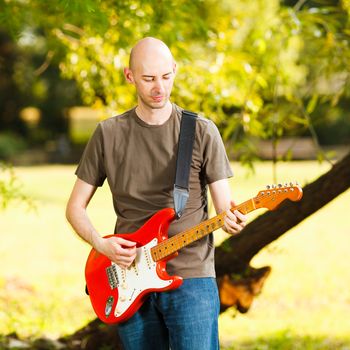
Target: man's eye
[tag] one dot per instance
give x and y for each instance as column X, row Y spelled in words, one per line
column 148, row 80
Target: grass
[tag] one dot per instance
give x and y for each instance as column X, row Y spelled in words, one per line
column 305, row 303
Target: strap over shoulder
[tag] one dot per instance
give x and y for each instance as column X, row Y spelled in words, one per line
column 183, row 160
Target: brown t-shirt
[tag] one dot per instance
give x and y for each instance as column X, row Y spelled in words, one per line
column 139, row 162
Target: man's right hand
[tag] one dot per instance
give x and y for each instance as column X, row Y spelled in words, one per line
column 117, row 249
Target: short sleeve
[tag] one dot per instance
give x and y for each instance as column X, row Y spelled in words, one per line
column 216, row 165
column 91, row 167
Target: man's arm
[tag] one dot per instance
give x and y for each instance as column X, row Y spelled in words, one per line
column 221, row 195
column 119, row 250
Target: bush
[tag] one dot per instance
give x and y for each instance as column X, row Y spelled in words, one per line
column 10, row 145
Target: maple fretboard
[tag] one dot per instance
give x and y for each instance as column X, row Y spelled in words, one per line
column 182, row 239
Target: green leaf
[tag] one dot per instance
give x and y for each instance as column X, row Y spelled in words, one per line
column 312, row 104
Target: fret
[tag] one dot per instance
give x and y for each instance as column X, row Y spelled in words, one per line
column 246, row 206
column 182, row 239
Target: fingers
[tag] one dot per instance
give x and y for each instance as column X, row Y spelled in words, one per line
column 124, row 247
column 125, row 259
column 124, row 262
column 241, row 217
column 231, row 226
column 120, row 251
column 234, row 222
column 125, row 255
column 124, row 242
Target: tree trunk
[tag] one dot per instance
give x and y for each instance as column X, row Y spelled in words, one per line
column 233, row 256
column 238, row 282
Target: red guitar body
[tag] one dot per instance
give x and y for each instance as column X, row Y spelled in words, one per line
column 116, row 293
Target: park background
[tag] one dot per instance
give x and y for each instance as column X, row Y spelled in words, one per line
column 274, row 77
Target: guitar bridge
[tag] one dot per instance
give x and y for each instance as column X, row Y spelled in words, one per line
column 112, row 275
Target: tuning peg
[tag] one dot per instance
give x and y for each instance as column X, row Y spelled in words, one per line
column 286, row 184
column 291, row 184
column 273, row 186
column 268, row 187
column 279, row 185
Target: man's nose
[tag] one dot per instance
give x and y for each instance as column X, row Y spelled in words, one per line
column 158, row 85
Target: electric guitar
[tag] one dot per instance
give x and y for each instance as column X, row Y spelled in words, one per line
column 117, row 293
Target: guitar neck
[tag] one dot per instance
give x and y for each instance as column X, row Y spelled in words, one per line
column 182, row 239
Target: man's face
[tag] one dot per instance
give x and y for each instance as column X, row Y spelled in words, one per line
column 153, row 78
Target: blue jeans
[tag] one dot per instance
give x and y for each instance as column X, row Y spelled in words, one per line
column 182, row 319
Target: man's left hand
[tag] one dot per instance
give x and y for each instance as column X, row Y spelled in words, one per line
column 234, row 221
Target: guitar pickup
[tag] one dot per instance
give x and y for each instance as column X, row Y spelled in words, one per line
column 112, row 275
column 133, row 266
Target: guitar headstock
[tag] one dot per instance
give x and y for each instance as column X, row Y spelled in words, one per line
column 274, row 195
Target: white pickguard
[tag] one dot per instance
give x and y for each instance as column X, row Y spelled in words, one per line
column 141, row 275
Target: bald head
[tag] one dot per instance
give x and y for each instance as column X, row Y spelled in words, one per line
column 149, row 49
column 152, row 71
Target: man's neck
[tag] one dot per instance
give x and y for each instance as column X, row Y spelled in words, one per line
column 154, row 116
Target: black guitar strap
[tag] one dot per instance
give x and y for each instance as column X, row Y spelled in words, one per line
column 183, row 160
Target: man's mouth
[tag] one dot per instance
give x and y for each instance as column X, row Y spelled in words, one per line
column 157, row 98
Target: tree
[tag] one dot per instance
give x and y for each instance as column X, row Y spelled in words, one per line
column 262, row 70
column 30, row 77
column 234, row 255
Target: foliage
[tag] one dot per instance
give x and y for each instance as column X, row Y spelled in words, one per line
column 30, row 78
column 259, row 68
column 11, row 188
column 10, row 145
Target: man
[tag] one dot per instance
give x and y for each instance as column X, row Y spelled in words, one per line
column 136, row 152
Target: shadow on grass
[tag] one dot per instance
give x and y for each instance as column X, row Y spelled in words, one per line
column 278, row 341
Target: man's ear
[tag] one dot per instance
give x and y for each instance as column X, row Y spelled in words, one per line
column 128, row 75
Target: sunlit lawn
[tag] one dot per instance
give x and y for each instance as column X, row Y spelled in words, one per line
column 305, row 303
